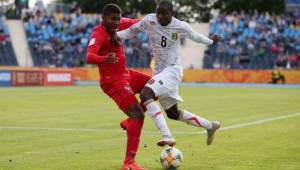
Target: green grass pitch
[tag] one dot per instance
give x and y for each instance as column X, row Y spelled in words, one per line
column 77, row 128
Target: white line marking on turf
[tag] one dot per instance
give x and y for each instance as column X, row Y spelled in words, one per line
column 236, row 126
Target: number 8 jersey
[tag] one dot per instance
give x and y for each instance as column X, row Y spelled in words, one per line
column 164, row 40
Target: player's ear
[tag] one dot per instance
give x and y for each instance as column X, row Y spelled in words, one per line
column 171, row 12
column 103, row 17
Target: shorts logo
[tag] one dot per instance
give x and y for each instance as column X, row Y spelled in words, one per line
column 160, row 82
column 151, row 81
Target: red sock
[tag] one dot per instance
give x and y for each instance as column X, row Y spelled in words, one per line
column 133, row 138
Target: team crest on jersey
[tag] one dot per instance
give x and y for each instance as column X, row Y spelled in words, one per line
column 92, row 41
column 174, row 36
column 151, row 81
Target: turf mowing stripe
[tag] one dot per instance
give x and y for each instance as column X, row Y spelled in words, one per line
column 240, row 85
column 236, row 126
column 184, row 84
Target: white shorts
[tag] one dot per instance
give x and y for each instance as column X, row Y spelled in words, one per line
column 165, row 86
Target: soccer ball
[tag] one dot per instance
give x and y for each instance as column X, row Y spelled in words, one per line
column 171, row 158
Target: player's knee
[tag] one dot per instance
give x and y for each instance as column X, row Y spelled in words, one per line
column 135, row 112
column 173, row 114
column 146, row 94
column 139, row 115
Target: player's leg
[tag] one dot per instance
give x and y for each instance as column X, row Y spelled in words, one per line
column 159, row 85
column 155, row 113
column 137, row 82
column 124, row 97
column 187, row 117
column 169, row 103
column 194, row 120
column 134, row 127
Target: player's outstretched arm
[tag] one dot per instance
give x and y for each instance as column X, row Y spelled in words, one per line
column 128, row 33
column 199, row 38
column 125, row 24
column 133, row 30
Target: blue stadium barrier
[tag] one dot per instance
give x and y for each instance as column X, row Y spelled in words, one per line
column 5, row 78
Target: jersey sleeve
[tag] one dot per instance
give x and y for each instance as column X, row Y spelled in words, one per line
column 142, row 25
column 126, row 23
column 95, row 44
column 193, row 35
column 133, row 30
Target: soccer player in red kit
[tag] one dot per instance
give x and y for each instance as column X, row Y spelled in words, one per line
column 116, row 80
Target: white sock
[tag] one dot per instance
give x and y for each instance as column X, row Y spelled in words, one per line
column 195, row 120
column 155, row 112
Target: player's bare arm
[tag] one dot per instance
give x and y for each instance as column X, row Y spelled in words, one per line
column 129, row 32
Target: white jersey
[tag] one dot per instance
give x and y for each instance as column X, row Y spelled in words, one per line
column 164, row 40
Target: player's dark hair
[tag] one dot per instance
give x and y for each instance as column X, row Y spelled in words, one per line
column 167, row 4
column 111, row 8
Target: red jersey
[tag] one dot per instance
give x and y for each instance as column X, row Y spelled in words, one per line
column 100, row 45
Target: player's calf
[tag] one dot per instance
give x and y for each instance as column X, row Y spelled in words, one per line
column 173, row 113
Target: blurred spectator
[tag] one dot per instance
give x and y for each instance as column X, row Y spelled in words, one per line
column 2, row 37
column 7, row 55
column 277, row 76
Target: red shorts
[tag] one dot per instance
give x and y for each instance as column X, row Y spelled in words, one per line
column 123, row 91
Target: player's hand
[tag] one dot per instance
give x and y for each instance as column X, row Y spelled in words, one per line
column 114, row 39
column 111, row 58
column 216, row 38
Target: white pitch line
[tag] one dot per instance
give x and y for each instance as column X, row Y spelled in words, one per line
column 240, row 125
column 261, row 121
column 236, row 126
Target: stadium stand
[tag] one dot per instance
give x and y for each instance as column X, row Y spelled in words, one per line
column 250, row 40
column 7, row 55
column 255, row 41
column 293, row 2
column 60, row 39
column 292, row 5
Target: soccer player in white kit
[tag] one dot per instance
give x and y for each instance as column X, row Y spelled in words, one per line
column 164, row 32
